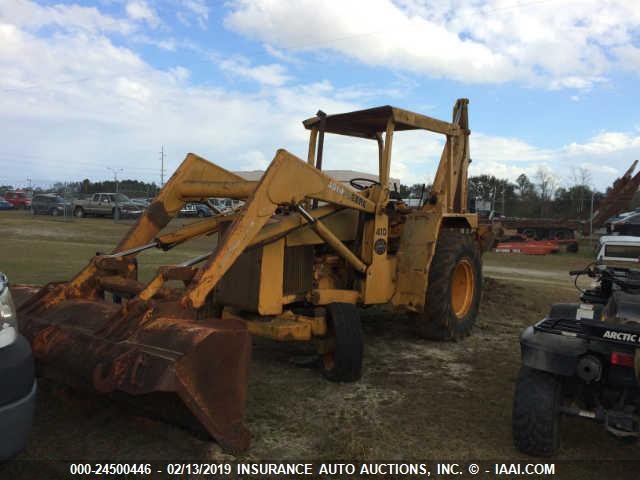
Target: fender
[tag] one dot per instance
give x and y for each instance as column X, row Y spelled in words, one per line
column 551, row 353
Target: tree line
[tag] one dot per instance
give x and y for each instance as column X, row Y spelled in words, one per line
column 536, row 197
column 539, row 196
column 131, row 188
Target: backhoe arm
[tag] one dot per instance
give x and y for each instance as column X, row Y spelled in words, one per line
column 449, row 190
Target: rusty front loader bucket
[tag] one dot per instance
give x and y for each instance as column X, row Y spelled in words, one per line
column 111, row 349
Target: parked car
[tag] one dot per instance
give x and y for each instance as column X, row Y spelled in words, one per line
column 49, row 204
column 141, row 202
column 18, row 198
column 17, row 379
column 4, row 205
column 106, row 204
column 195, row 210
column 223, row 205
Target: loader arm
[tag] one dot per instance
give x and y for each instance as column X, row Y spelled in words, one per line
column 194, row 180
column 287, row 181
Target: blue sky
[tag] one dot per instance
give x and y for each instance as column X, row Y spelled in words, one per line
column 553, row 85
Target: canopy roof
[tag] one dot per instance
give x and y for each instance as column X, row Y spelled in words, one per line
column 367, row 123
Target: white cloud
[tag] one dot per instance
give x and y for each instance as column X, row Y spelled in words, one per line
column 197, row 9
column 604, row 143
column 384, row 35
column 280, row 55
column 273, row 74
column 253, row 160
column 132, row 89
column 629, row 57
column 557, row 45
column 140, row 10
column 30, row 15
column 606, row 155
column 65, row 119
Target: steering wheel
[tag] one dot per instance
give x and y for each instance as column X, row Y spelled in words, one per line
column 357, row 183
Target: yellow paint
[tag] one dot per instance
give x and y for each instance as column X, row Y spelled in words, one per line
column 271, row 279
column 380, row 284
column 463, row 285
column 325, row 297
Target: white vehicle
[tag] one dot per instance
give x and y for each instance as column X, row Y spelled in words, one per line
column 17, row 379
column 618, row 249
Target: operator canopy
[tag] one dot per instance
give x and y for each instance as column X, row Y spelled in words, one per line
column 367, row 123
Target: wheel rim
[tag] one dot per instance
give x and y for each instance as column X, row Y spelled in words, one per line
column 462, row 288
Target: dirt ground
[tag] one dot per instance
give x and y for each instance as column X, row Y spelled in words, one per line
column 417, row 400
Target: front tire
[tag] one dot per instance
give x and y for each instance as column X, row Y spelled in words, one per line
column 536, row 413
column 454, row 290
column 78, row 212
column 343, row 361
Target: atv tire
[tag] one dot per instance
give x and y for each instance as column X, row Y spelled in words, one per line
column 344, row 362
column 536, row 413
column 454, row 290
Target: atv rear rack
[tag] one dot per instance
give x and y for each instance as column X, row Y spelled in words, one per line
column 626, row 335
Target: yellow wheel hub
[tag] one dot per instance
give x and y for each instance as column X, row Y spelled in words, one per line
column 462, row 288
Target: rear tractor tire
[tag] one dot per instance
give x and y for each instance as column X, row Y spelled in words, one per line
column 454, row 290
column 536, row 413
column 342, row 360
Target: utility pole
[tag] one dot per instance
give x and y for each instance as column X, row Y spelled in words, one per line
column 593, row 193
column 115, row 175
column 29, row 182
column 116, row 210
column 162, row 166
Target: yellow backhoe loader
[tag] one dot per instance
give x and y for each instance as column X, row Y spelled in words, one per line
column 294, row 263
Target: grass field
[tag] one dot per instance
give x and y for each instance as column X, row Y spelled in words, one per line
column 417, row 400
column 41, row 249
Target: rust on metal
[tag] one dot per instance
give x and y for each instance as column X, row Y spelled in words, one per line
column 205, row 363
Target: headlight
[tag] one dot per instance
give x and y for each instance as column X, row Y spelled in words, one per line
column 8, row 320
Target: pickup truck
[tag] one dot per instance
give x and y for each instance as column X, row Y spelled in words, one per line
column 18, row 199
column 106, row 204
column 195, row 210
